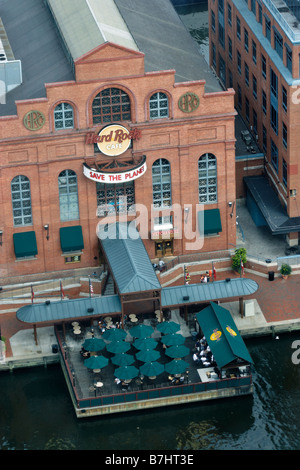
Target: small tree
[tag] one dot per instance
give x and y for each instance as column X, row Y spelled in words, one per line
column 285, row 270
column 239, row 254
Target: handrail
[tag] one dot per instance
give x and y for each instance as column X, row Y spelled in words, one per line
column 197, row 387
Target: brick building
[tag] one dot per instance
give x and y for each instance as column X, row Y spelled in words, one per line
column 255, row 49
column 116, row 133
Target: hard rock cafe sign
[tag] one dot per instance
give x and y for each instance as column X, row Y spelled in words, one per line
column 113, row 140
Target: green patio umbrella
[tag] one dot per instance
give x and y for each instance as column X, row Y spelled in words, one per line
column 168, row 327
column 152, row 369
column 141, row 331
column 145, row 343
column 177, row 351
column 173, row 340
column 147, row 355
column 118, row 347
column 96, row 362
column 114, row 334
column 93, row 344
column 126, row 372
column 123, row 359
column 177, row 366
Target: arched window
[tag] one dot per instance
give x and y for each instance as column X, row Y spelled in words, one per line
column 115, row 198
column 63, row 116
column 68, row 195
column 21, row 200
column 161, row 183
column 159, row 106
column 111, row 105
column 207, row 171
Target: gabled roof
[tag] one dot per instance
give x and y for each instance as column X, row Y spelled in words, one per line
column 222, row 335
column 127, row 257
column 200, row 293
column 69, row 309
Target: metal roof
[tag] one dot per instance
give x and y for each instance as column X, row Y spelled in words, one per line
column 127, row 257
column 34, row 41
column 85, row 24
column 222, row 335
column 270, row 206
column 69, row 309
column 200, row 293
column 167, row 44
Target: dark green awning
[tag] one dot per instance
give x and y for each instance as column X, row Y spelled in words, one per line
column 211, row 220
column 25, row 244
column 71, row 238
column 222, row 335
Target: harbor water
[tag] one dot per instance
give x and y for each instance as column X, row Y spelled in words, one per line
column 37, row 413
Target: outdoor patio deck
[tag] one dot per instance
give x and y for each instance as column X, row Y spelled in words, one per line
column 85, row 379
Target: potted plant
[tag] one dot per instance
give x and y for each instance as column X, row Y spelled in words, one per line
column 285, row 270
column 239, row 259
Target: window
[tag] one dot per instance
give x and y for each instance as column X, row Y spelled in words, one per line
column 265, row 139
column 159, row 106
column 264, row 102
column 254, row 51
column 161, row 184
column 254, row 86
column 253, row 6
column 68, row 195
column 289, row 58
column 229, row 48
column 268, row 28
column 238, row 27
column 246, row 74
column 21, row 201
column 222, row 70
column 213, row 21
column 229, row 14
column 115, row 198
column 73, row 259
column 284, row 135
column 63, row 116
column 284, row 172
column 263, row 66
column 274, row 84
column 247, row 109
column 239, row 97
column 207, row 172
column 274, row 156
column 213, row 54
column 278, row 43
column 274, row 119
column 246, row 40
column 239, row 63
column 111, row 105
column 284, row 98
column 230, row 79
column 260, row 13
column 254, row 122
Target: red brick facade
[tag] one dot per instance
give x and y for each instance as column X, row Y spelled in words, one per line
column 41, row 154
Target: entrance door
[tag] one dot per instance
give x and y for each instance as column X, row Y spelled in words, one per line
column 164, row 248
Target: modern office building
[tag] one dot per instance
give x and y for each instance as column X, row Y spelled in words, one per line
column 255, row 48
column 111, row 119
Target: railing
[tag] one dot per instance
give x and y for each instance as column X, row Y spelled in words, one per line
column 164, row 392
column 281, row 21
column 292, row 260
column 192, row 258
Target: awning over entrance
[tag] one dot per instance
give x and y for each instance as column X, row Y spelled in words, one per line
column 71, row 238
column 210, row 221
column 25, row 244
column 127, row 258
column 268, row 204
column 223, row 337
column 199, row 293
column 66, row 310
